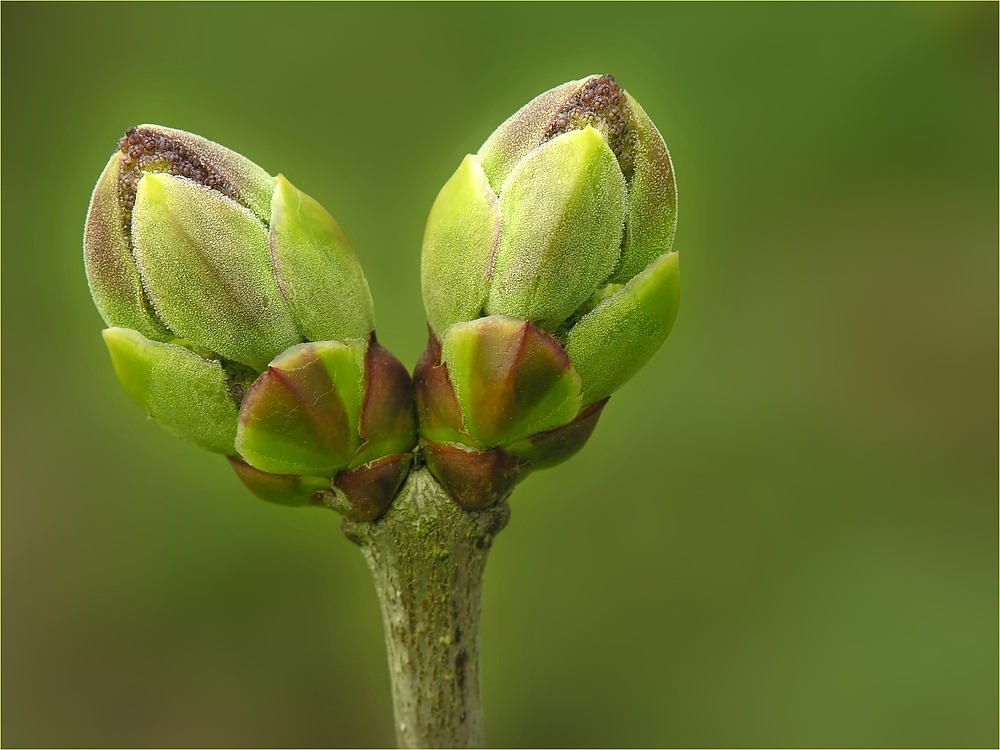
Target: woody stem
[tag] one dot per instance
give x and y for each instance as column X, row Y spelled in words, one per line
column 427, row 556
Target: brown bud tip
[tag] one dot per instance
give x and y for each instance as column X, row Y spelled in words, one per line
column 475, row 479
column 144, row 150
column 601, row 104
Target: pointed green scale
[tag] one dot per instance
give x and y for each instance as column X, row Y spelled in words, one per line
column 316, row 269
column 652, row 198
column 459, row 241
column 301, row 416
column 511, row 379
column 114, row 279
column 207, row 267
column 561, row 216
column 182, row 391
column 612, row 342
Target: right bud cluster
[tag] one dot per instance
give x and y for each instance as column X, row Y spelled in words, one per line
column 548, row 280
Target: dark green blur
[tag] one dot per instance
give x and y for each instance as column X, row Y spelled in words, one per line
column 784, row 531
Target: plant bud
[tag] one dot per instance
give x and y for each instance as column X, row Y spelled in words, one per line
column 188, row 240
column 240, row 319
column 548, row 279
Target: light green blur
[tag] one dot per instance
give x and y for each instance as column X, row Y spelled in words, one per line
column 783, row 531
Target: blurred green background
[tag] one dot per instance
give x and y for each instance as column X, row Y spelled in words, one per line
column 784, row 531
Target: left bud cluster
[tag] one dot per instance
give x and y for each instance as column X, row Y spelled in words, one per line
column 240, row 319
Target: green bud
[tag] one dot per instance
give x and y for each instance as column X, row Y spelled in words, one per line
column 597, row 101
column 652, row 197
column 564, row 204
column 241, row 320
column 206, row 265
column 523, row 131
column 115, row 283
column 557, row 232
column 187, row 239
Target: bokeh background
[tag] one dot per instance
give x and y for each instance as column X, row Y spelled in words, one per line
column 784, row 531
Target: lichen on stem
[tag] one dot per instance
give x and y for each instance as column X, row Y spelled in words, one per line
column 427, row 556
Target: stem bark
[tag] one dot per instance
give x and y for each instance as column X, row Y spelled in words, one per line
column 427, row 556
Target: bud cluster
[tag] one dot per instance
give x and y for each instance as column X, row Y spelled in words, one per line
column 240, row 319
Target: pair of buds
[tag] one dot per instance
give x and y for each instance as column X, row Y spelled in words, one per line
column 240, row 318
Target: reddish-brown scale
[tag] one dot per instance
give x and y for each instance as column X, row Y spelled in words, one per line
column 599, row 103
column 371, row 488
column 437, row 405
column 475, row 479
column 145, row 151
